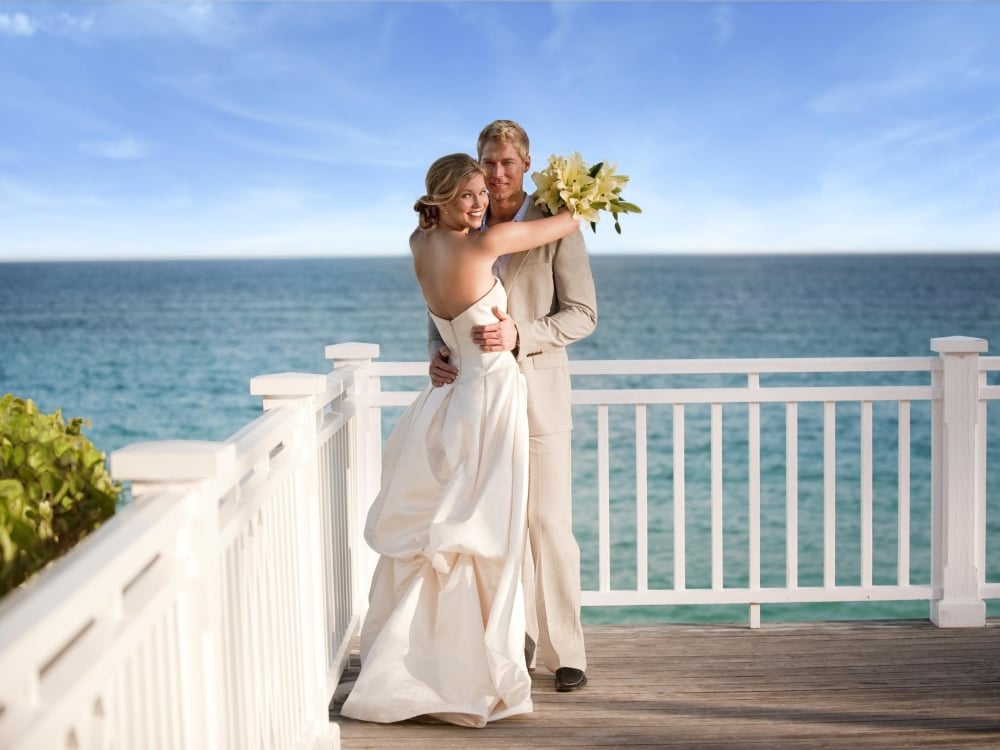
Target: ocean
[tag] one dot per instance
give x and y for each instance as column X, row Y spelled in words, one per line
column 155, row 350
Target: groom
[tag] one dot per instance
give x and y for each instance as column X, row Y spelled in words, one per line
column 551, row 303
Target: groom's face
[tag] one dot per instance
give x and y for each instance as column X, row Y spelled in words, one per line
column 504, row 169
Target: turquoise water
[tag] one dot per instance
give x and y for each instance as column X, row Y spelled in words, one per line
column 164, row 350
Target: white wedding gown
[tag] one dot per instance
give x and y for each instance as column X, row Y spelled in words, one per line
column 444, row 633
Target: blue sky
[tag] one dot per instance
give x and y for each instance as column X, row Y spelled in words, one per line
column 177, row 129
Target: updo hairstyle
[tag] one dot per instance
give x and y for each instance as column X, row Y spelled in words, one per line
column 444, row 180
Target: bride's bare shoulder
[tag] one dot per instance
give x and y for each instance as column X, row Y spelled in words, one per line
column 419, row 238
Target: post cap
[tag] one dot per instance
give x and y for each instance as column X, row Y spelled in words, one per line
column 352, row 350
column 958, row 345
column 286, row 384
column 171, row 460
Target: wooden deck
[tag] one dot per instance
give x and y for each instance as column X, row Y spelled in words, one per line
column 813, row 685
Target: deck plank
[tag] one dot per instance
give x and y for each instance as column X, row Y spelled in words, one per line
column 883, row 684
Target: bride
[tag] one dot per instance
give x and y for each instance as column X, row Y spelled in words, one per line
column 444, row 633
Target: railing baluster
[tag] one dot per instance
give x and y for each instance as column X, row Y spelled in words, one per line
column 753, row 426
column 171, row 696
column 753, row 444
column 146, row 693
column 162, row 677
column 718, row 564
column 866, row 494
column 829, row 494
column 980, row 481
column 641, row 501
column 603, row 500
column 903, row 487
column 680, row 552
column 792, row 495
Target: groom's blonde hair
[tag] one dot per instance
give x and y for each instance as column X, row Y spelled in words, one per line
column 503, row 131
column 445, row 179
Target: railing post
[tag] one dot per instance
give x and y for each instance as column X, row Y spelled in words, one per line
column 366, row 453
column 955, row 517
column 154, row 466
column 297, row 389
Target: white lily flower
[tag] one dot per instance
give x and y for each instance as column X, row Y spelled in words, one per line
column 586, row 191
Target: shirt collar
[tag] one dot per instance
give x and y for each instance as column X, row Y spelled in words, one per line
column 521, row 212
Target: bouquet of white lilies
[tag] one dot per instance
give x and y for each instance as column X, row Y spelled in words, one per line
column 586, row 191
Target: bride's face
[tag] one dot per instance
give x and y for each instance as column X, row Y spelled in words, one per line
column 469, row 206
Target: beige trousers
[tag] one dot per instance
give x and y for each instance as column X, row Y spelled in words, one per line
column 552, row 565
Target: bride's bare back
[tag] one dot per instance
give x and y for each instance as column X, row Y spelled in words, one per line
column 451, row 277
column 455, row 267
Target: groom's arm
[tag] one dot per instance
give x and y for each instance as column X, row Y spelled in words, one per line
column 440, row 370
column 576, row 297
column 576, row 309
column 434, row 340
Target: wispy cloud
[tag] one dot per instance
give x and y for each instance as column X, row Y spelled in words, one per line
column 73, row 25
column 562, row 34
column 120, row 149
column 17, row 196
column 724, row 23
column 912, row 78
column 17, row 24
column 64, row 24
column 20, row 198
column 862, row 95
column 208, row 23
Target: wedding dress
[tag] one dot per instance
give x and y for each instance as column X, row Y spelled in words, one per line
column 444, row 633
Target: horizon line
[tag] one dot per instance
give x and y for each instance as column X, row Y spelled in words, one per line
column 630, row 253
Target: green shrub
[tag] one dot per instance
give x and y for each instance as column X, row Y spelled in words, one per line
column 54, row 488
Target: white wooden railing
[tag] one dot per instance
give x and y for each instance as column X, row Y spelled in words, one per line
column 217, row 608
column 956, row 395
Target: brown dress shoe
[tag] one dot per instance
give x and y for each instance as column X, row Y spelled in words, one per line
column 569, row 678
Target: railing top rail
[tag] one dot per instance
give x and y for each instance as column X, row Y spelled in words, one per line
column 257, row 438
column 66, row 598
column 753, row 395
column 752, row 365
column 402, row 369
column 711, row 366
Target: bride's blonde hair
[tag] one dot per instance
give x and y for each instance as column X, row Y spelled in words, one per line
column 444, row 180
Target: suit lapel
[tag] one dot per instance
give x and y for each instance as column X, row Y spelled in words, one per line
column 517, row 260
column 514, row 268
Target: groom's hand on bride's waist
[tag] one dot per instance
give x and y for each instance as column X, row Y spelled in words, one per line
column 496, row 337
column 440, row 370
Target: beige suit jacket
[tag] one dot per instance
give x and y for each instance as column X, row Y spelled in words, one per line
column 553, row 301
